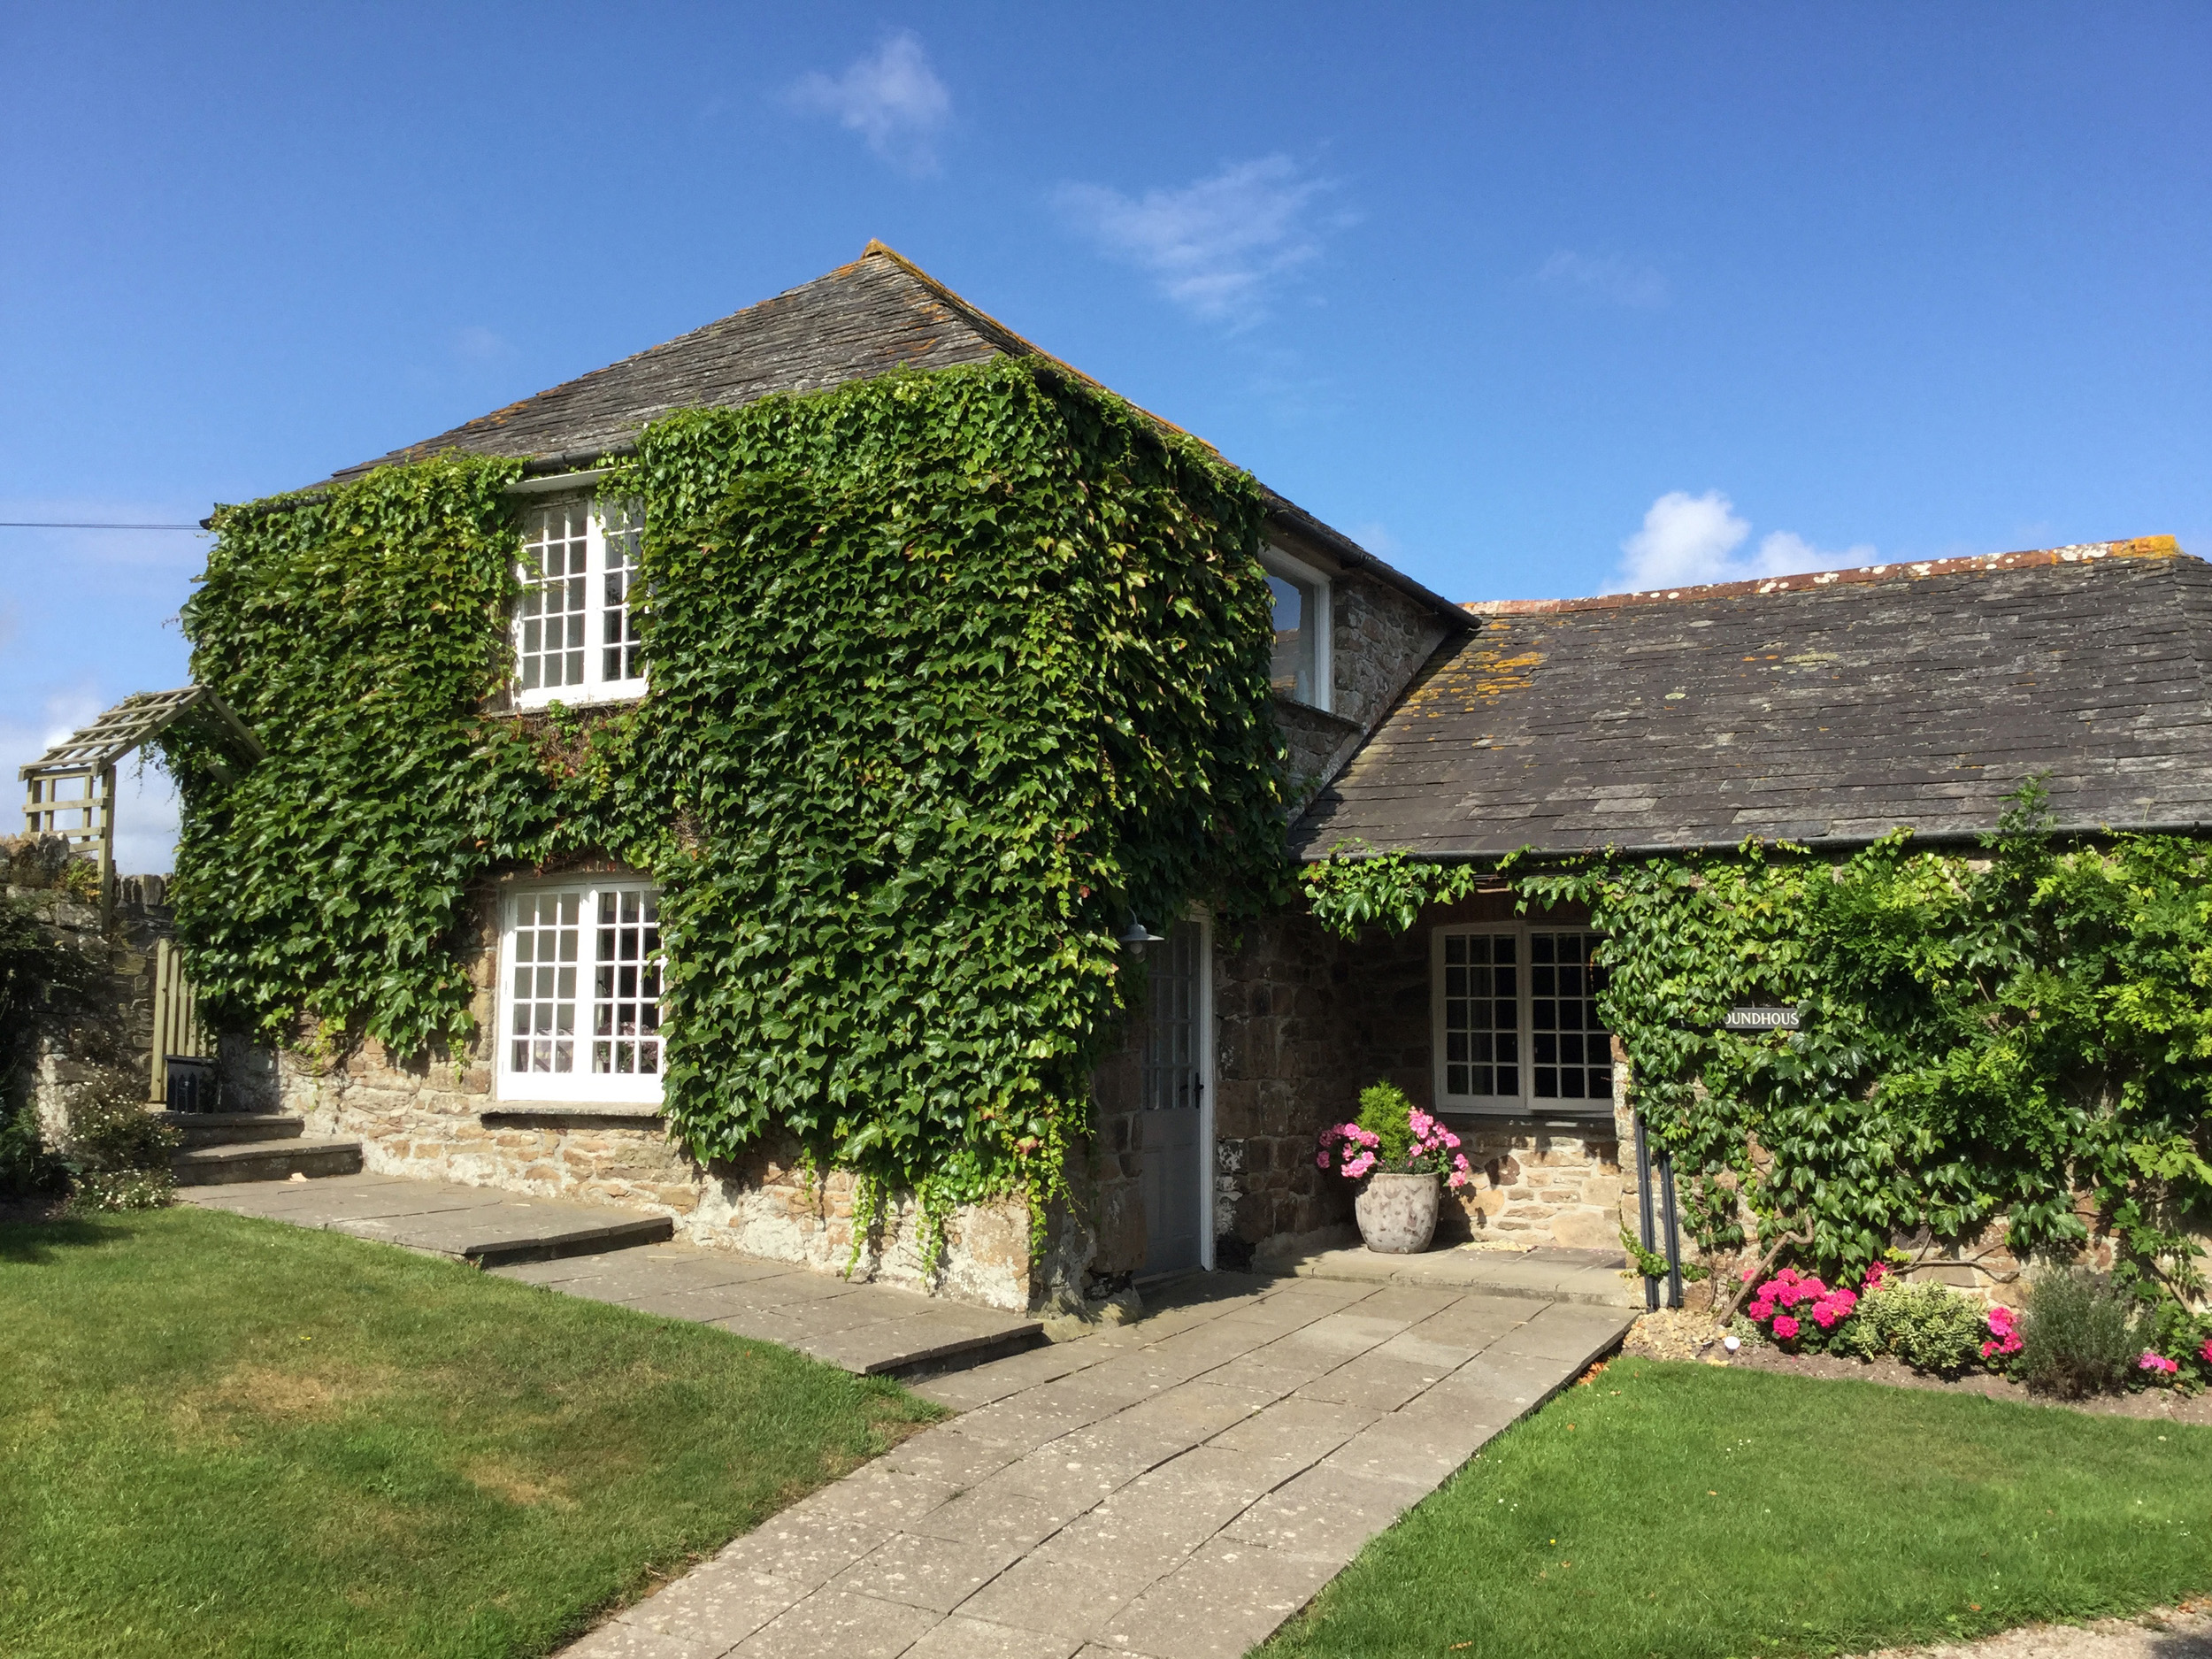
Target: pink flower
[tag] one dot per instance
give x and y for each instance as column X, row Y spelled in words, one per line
column 1451, row 1140
column 2158, row 1363
column 1876, row 1275
column 2205, row 1352
column 1761, row 1310
column 1745, row 1277
column 1360, row 1165
column 1322, row 1162
column 1785, row 1327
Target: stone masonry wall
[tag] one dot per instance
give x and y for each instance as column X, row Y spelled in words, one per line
column 436, row 1117
column 1307, row 1021
column 118, row 1030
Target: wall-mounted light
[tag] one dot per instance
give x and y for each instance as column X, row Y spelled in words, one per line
column 1136, row 936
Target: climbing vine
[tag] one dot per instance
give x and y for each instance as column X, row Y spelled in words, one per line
column 2019, row 1034
column 949, row 671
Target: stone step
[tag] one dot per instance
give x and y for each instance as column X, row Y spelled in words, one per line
column 265, row 1161
column 225, row 1129
column 554, row 1241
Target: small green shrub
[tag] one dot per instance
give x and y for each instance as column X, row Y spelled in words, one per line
column 117, row 1152
column 2080, row 1334
column 1928, row 1327
column 1386, row 1113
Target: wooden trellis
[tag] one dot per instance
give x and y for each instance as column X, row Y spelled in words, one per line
column 70, row 789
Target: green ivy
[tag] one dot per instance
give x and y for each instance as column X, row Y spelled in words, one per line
column 949, row 671
column 1981, row 1038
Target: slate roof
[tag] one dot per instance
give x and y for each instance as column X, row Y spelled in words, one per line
column 880, row 312
column 1828, row 708
column 861, row 319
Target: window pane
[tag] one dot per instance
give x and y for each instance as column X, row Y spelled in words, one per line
column 1583, row 1050
column 626, row 990
column 544, row 997
column 1292, row 674
column 1484, row 1027
column 621, row 655
column 553, row 544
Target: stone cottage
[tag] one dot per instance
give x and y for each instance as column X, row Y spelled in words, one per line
column 1410, row 722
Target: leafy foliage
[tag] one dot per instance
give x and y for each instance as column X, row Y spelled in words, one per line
column 2023, row 1037
column 117, row 1152
column 357, row 631
column 2079, row 1334
column 949, row 671
column 1929, row 1326
column 43, row 982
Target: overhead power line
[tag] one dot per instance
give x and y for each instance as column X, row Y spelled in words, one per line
column 42, row 523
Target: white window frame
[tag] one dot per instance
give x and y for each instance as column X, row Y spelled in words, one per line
column 581, row 1084
column 594, row 687
column 1321, row 624
column 1526, row 1104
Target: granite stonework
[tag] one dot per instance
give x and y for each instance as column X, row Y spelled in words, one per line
column 1306, row 1020
column 116, row 1032
column 437, row 1117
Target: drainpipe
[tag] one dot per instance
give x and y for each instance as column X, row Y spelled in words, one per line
column 1674, row 1230
column 1643, row 1201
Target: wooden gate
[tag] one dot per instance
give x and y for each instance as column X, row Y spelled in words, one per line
column 178, row 1033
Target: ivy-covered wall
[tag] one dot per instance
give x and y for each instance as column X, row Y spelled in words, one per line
column 2014, row 1038
column 949, row 671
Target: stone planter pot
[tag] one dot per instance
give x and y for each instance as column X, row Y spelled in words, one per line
column 1397, row 1213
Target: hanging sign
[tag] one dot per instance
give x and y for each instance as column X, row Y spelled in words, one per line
column 1760, row 1020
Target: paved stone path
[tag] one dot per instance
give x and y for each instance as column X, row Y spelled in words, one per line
column 863, row 1327
column 1174, row 1488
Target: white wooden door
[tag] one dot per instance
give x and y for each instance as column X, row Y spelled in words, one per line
column 1172, row 1123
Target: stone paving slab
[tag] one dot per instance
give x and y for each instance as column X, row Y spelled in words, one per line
column 1545, row 1273
column 1173, row 1488
column 620, row 1256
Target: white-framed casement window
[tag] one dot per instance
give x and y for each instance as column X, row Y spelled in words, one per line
column 579, row 992
column 1516, row 1020
column 1301, row 667
column 576, row 634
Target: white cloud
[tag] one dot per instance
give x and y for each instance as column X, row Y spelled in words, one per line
column 478, row 344
column 1216, row 246
column 1608, row 277
column 894, row 100
column 1689, row 539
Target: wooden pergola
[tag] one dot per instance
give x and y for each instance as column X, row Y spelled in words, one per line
column 70, row 789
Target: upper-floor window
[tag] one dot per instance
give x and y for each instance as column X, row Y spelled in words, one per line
column 1301, row 668
column 1516, row 1020
column 576, row 633
column 581, row 991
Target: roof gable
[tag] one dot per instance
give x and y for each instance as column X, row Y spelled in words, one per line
column 861, row 319
column 1828, row 708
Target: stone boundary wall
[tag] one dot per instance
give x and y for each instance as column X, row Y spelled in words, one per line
column 120, row 1030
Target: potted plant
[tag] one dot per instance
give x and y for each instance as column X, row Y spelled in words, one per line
column 1402, row 1157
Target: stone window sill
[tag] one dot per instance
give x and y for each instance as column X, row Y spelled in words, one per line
column 566, row 1111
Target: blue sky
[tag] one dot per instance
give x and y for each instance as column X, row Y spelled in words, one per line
column 1533, row 300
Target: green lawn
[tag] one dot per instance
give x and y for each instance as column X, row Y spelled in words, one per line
column 227, row 1436
column 1687, row 1511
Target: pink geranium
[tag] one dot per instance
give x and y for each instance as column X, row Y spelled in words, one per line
column 2004, row 1334
column 1785, row 1327
column 2205, row 1352
column 2158, row 1364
